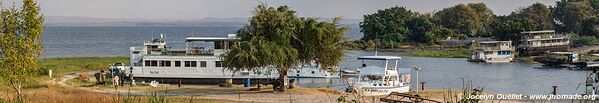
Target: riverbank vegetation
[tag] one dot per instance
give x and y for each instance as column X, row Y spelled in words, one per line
column 445, row 53
column 400, row 28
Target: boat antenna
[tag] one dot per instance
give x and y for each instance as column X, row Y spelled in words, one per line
column 376, row 52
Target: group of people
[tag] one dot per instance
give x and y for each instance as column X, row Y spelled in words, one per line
column 116, row 74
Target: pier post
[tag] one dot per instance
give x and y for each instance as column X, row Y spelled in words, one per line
column 179, row 84
column 554, row 90
column 417, row 69
column 422, row 84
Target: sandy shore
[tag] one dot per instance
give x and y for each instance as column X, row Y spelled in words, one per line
column 266, row 94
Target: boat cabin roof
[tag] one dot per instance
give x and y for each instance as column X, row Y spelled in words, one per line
column 190, row 39
column 493, row 42
column 379, row 58
column 563, row 53
column 542, row 31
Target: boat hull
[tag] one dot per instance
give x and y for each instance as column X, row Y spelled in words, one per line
column 379, row 91
column 209, row 81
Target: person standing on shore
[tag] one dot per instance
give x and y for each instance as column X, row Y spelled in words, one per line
column 115, row 82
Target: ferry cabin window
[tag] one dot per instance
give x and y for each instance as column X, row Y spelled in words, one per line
column 504, row 52
column 219, row 45
column 165, row 63
column 194, row 64
column 191, row 63
column 230, row 44
column 218, row 64
column 187, row 63
column 147, row 63
column 153, row 63
column 177, row 63
column 202, row 63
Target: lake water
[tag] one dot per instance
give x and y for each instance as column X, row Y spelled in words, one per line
column 438, row 73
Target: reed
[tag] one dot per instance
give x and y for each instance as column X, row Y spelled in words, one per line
column 467, row 90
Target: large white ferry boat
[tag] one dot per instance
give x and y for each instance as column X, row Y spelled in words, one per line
column 312, row 71
column 374, row 80
column 199, row 63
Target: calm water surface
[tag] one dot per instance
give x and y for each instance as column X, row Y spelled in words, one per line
column 438, row 73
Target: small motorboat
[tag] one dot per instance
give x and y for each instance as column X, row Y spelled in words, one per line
column 377, row 80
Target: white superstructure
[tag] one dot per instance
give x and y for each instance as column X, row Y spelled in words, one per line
column 312, row 71
column 200, row 59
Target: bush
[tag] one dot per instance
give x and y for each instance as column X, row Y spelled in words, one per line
column 578, row 41
column 43, row 70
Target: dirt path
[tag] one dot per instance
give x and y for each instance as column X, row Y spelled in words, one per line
column 299, row 95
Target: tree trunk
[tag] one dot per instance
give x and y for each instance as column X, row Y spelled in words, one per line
column 17, row 86
column 282, row 80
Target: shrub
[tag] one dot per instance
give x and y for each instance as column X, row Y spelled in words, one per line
column 578, row 41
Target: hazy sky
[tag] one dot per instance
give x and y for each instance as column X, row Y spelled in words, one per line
column 197, row 9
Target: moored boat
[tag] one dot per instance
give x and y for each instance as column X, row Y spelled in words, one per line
column 376, row 80
column 200, row 63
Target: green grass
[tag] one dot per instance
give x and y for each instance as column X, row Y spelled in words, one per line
column 62, row 65
column 456, row 53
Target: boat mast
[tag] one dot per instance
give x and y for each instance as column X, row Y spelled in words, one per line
column 396, row 61
column 386, row 66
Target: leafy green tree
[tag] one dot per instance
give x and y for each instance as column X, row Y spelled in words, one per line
column 509, row 27
column 419, row 26
column 388, row 22
column 569, row 14
column 594, row 4
column 538, row 12
column 276, row 37
column 485, row 17
column 465, row 19
column 440, row 33
column 20, row 45
column 319, row 42
column 590, row 27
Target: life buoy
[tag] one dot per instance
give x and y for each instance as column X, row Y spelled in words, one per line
column 405, row 78
column 388, row 83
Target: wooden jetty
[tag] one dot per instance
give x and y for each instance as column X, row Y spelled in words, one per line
column 396, row 97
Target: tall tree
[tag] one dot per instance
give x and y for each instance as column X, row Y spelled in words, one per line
column 419, row 26
column 538, row 12
column 569, row 14
column 485, row 17
column 20, row 45
column 320, row 42
column 590, row 27
column 465, row 19
column 276, row 37
column 389, row 22
column 509, row 27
